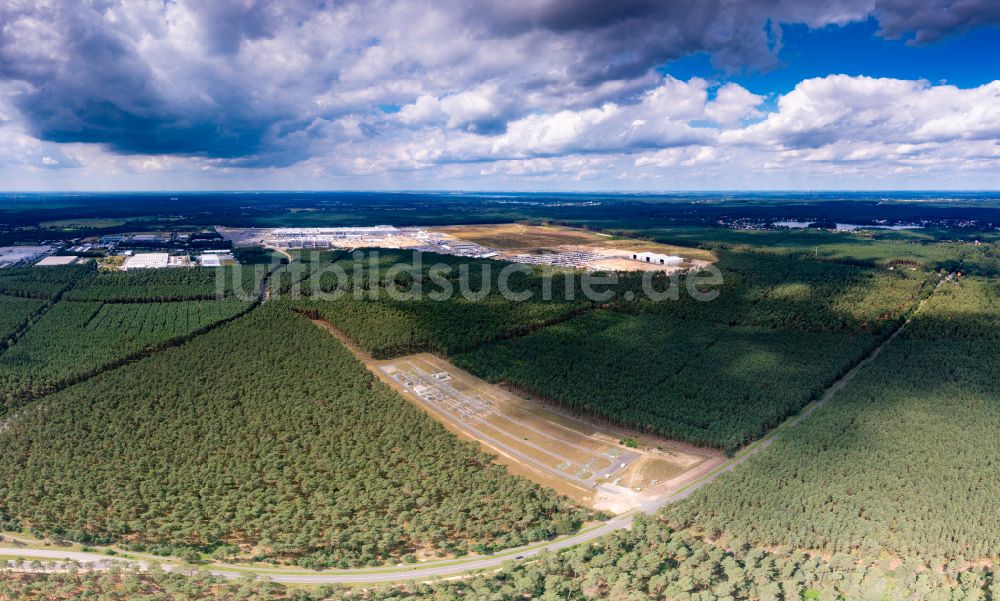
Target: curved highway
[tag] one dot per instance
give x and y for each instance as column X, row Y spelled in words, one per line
column 456, row 567
column 422, row 571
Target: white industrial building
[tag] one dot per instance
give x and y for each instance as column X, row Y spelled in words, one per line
column 154, row 261
column 657, row 258
column 216, row 258
column 55, row 261
column 13, row 255
column 333, row 233
column 329, row 237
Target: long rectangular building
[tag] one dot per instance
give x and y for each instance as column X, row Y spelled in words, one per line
column 154, row 261
column 657, row 258
column 14, row 255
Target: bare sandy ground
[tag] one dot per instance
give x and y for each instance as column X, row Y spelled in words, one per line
column 587, row 462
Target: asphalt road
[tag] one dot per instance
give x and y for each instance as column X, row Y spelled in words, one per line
column 423, row 571
column 436, row 569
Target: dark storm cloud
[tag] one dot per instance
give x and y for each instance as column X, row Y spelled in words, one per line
column 97, row 87
column 102, row 91
column 931, row 20
column 90, row 71
column 626, row 38
column 227, row 23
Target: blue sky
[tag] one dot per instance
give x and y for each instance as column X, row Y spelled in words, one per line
column 965, row 60
column 532, row 95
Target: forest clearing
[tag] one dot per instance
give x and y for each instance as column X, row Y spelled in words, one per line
column 595, row 465
column 524, row 238
column 519, row 242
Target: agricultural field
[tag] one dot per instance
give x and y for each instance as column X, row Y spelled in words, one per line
column 521, row 237
column 902, row 462
column 263, row 439
column 75, row 339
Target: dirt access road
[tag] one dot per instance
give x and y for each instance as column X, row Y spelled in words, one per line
column 587, row 462
column 471, row 565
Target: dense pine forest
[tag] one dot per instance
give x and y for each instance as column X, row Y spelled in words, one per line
column 388, row 328
column 44, row 284
column 903, row 461
column 160, row 285
column 62, row 339
column 782, row 329
column 264, row 438
column 711, row 384
column 396, row 302
column 247, row 433
column 650, row 561
column 73, row 340
column 717, row 373
column 802, row 294
column 15, row 312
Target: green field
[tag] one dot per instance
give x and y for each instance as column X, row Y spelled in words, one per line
column 903, row 461
column 264, row 438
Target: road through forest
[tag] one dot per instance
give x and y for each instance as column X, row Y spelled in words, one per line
column 464, row 566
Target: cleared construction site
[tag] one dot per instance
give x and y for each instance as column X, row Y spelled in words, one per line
column 593, row 465
column 552, row 246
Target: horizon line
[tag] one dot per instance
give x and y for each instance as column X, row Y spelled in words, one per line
column 502, row 191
